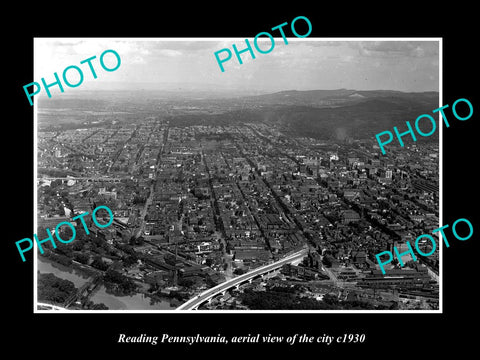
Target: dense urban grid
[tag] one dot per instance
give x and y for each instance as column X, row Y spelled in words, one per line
column 199, row 202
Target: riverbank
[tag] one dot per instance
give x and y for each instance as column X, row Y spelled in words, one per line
column 69, row 263
column 79, row 274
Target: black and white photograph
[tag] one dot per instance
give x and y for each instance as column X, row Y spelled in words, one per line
column 259, row 188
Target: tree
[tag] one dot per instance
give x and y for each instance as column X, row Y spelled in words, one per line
column 139, row 200
column 78, row 244
column 61, row 259
column 136, row 241
column 129, row 260
column 99, row 264
column 126, row 248
column 124, row 284
column 100, row 306
column 209, row 262
column 82, row 258
column 394, row 306
column 52, row 288
column 239, row 271
column 88, row 304
column 327, row 261
column 186, row 282
column 233, row 305
column 330, row 299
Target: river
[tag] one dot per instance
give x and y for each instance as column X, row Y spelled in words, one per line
column 135, row 302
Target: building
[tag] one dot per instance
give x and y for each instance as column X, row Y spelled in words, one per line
column 397, row 278
column 109, row 194
column 349, row 216
column 347, row 274
column 300, row 272
column 358, row 257
column 351, row 194
column 385, row 175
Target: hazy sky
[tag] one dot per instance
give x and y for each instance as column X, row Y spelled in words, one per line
column 303, row 64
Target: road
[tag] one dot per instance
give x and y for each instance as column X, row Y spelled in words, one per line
column 141, row 227
column 332, row 276
column 207, row 294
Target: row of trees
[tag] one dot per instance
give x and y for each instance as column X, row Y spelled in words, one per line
column 118, row 283
column 279, row 298
column 58, row 258
column 54, row 289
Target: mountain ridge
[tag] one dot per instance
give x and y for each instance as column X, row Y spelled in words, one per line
column 333, row 97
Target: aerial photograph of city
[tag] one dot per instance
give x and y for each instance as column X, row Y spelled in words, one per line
column 258, row 188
